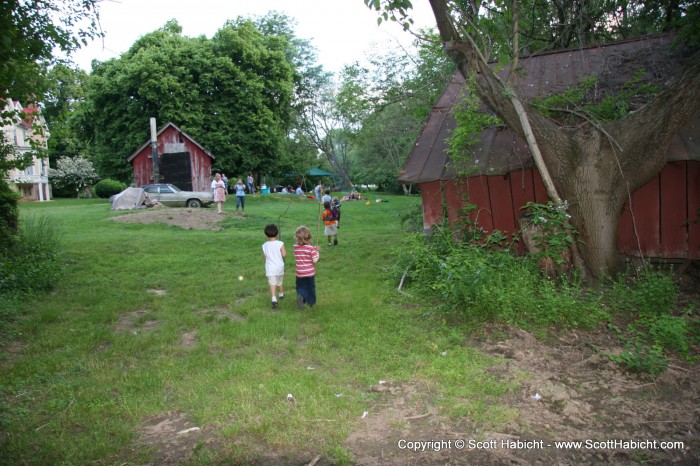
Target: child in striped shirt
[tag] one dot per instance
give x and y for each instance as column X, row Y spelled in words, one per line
column 305, row 256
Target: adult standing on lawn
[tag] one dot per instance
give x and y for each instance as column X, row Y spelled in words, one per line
column 318, row 190
column 251, row 183
column 219, row 188
column 240, row 195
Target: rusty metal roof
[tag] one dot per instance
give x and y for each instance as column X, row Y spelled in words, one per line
column 499, row 150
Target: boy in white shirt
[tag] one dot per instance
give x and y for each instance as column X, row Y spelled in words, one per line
column 274, row 252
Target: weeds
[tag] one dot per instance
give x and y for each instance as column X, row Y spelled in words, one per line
column 485, row 284
column 652, row 333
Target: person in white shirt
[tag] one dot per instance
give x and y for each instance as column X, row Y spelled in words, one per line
column 274, row 252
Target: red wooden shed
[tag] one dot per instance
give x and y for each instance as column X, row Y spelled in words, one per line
column 182, row 161
column 666, row 210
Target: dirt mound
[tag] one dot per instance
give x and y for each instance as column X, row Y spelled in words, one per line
column 189, row 219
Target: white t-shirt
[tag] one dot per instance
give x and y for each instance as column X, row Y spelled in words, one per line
column 274, row 262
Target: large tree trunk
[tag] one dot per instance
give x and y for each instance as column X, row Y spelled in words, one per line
column 594, row 168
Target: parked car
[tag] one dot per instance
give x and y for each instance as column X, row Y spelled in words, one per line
column 172, row 196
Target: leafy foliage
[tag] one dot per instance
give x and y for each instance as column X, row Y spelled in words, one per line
column 231, row 93
column 647, row 303
column 76, row 173
column 387, row 104
column 471, row 120
column 487, row 285
column 585, row 100
column 65, row 95
column 107, row 188
column 9, row 217
column 33, row 30
column 554, row 234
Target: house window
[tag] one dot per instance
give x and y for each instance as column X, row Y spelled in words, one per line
column 19, row 137
column 29, row 170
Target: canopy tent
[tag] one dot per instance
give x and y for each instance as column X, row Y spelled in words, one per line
column 320, row 172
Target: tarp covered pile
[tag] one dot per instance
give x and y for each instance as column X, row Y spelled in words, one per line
column 130, row 198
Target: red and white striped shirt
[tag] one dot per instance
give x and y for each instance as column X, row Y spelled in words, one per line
column 304, row 256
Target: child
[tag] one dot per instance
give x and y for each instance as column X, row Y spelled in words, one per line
column 240, row 195
column 326, row 197
column 335, row 207
column 331, row 223
column 274, row 252
column 305, row 256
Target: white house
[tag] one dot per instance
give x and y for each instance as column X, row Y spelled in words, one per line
column 32, row 183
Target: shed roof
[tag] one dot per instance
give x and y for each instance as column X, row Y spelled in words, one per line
column 499, row 150
column 160, row 131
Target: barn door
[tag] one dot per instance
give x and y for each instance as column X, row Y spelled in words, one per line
column 175, row 168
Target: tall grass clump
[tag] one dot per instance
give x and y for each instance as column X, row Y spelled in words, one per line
column 492, row 285
column 34, row 261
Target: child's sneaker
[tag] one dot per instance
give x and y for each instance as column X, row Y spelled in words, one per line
column 335, row 242
column 281, row 298
column 274, row 304
column 300, row 303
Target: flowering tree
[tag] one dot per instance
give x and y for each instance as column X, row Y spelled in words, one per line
column 73, row 172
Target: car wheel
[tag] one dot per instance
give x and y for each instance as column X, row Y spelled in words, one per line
column 194, row 203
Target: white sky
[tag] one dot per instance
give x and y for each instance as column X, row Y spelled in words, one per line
column 342, row 31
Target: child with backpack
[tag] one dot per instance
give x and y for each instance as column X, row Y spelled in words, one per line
column 331, row 223
column 335, row 207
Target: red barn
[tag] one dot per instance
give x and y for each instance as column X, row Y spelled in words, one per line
column 666, row 210
column 182, row 161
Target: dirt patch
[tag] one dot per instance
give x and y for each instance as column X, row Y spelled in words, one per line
column 172, row 437
column 188, row 339
column 134, row 322
column 189, row 219
column 568, row 392
column 223, row 313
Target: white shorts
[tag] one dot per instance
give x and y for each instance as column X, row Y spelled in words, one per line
column 331, row 229
column 275, row 280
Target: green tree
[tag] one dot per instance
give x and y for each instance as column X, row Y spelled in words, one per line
column 32, row 30
column 231, row 93
column 592, row 165
column 391, row 100
column 66, row 92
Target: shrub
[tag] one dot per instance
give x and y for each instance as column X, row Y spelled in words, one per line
column 107, row 188
column 9, row 215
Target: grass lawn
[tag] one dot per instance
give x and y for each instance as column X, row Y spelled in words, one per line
column 151, row 319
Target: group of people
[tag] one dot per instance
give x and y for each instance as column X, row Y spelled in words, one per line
column 305, row 254
column 220, row 188
column 305, row 257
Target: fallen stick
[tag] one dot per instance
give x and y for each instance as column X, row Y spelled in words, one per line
column 419, row 416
